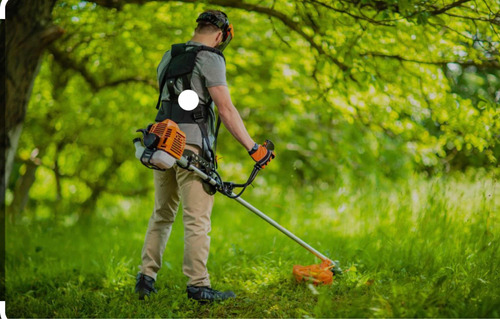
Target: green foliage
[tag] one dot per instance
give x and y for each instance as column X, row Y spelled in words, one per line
column 349, row 92
column 373, row 106
column 423, row 248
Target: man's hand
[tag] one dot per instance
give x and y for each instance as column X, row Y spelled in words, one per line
column 261, row 155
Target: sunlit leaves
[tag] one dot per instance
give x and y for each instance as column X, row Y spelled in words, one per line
column 415, row 92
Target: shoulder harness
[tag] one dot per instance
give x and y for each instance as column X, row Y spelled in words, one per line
column 181, row 65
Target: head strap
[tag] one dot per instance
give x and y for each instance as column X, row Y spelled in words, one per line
column 222, row 24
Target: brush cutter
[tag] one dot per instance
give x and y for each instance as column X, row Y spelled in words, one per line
column 164, row 146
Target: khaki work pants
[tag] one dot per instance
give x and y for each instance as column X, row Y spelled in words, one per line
column 171, row 186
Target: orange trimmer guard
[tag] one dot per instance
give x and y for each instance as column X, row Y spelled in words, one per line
column 317, row 274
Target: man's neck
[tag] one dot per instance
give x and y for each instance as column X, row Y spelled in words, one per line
column 203, row 40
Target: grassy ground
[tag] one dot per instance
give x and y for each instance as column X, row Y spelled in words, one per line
column 422, row 248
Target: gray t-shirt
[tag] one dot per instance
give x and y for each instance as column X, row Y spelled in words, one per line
column 209, row 71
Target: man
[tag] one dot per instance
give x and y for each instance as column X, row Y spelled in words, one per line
column 198, row 65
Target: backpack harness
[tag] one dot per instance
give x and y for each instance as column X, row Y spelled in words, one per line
column 181, row 66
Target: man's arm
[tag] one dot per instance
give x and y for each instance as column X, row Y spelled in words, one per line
column 230, row 116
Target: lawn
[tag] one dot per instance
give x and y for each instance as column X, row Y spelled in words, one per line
column 423, row 247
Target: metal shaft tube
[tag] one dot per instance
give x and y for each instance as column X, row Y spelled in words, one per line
column 281, row 228
column 183, row 162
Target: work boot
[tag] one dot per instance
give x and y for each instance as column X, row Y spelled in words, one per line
column 207, row 294
column 144, row 285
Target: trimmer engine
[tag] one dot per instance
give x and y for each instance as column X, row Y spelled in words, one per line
column 164, row 143
column 167, row 137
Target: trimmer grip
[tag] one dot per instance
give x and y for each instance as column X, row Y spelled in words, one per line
column 269, row 145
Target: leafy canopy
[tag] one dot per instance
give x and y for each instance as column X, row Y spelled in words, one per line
column 347, row 90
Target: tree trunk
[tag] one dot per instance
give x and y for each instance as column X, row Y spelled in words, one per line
column 27, row 33
column 22, row 190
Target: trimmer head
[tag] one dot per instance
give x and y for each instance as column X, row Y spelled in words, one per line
column 337, row 271
column 317, row 274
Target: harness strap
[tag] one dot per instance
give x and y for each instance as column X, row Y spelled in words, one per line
column 215, row 141
column 171, row 89
column 206, row 149
column 162, row 84
column 186, row 83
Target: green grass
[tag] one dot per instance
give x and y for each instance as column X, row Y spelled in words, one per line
column 419, row 248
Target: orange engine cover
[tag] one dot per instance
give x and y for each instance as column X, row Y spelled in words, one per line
column 172, row 139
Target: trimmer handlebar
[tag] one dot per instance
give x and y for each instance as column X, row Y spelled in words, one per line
column 269, row 145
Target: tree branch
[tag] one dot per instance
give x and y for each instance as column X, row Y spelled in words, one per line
column 382, row 22
column 50, row 34
column 486, row 64
column 495, row 20
column 68, row 63
column 448, row 7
